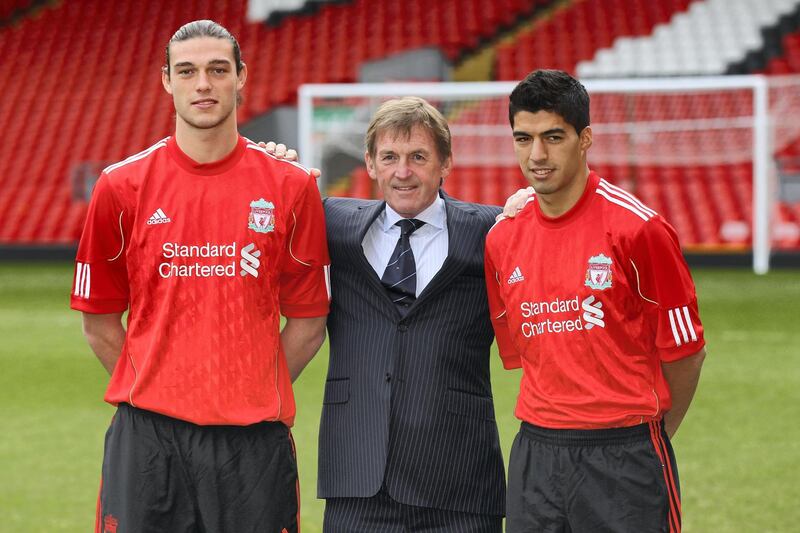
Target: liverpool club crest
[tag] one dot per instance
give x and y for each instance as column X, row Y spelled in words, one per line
column 598, row 275
column 261, row 217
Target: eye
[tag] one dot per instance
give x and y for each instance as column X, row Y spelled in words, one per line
column 554, row 138
column 521, row 139
column 219, row 71
column 185, row 72
column 418, row 157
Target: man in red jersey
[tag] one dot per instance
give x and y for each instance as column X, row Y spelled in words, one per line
column 206, row 240
column 590, row 295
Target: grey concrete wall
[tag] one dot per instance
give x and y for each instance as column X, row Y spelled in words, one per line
column 424, row 64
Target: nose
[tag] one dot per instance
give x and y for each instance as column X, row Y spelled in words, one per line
column 402, row 170
column 538, row 151
column 202, row 82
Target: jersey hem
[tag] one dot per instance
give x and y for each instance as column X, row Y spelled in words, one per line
column 305, row 310
column 99, row 307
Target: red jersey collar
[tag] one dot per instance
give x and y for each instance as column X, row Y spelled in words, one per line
column 206, row 169
column 585, row 199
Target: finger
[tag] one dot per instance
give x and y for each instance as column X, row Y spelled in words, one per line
column 315, row 172
column 269, row 147
column 291, row 154
column 280, row 150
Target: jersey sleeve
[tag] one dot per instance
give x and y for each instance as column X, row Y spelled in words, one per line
column 100, row 283
column 668, row 290
column 305, row 282
column 497, row 308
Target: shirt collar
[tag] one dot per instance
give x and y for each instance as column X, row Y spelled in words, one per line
column 434, row 215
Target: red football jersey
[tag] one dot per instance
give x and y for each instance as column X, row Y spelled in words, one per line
column 206, row 257
column 590, row 304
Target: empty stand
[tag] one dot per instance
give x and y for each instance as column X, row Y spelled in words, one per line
column 81, row 80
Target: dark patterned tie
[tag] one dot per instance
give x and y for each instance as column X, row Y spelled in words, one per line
column 400, row 276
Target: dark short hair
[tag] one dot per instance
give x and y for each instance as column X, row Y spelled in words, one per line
column 554, row 91
column 206, row 28
column 401, row 115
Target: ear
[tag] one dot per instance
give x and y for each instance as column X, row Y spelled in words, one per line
column 586, row 139
column 165, row 80
column 370, row 166
column 447, row 167
column 242, row 76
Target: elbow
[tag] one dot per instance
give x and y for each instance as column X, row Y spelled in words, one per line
column 90, row 332
column 699, row 357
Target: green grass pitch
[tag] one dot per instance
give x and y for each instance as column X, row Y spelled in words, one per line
column 738, row 449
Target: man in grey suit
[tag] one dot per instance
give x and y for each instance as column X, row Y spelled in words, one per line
column 408, row 440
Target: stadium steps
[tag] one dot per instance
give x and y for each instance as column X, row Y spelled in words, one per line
column 576, row 31
column 779, row 53
column 712, row 37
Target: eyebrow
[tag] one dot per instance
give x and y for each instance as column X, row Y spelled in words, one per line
column 551, row 131
column 212, row 62
column 422, row 151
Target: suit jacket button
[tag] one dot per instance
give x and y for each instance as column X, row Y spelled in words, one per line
column 388, row 377
column 402, row 328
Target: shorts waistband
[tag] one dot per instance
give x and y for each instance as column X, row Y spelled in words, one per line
column 587, row 437
column 166, row 419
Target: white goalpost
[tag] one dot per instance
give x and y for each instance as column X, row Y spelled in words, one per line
column 718, row 125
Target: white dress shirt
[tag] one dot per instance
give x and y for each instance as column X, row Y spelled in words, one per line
column 428, row 243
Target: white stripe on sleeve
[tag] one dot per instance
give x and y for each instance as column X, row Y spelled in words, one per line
column 327, row 269
column 78, row 275
column 689, row 323
column 674, row 329
column 86, row 281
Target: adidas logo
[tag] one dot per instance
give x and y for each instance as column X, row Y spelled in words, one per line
column 158, row 218
column 516, row 277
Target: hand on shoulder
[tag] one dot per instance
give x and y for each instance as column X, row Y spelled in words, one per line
column 280, row 151
column 515, row 203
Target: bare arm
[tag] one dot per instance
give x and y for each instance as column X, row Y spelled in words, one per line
column 682, row 377
column 106, row 336
column 301, row 338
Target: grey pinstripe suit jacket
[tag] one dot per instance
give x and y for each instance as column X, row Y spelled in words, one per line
column 408, row 400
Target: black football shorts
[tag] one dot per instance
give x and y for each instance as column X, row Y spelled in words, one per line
column 621, row 480
column 162, row 474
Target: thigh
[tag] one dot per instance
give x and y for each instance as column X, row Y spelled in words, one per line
column 143, row 487
column 378, row 514
column 534, row 499
column 619, row 489
column 246, row 478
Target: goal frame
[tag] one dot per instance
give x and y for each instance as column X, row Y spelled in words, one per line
column 763, row 165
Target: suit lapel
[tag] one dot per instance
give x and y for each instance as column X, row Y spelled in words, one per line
column 357, row 226
column 464, row 237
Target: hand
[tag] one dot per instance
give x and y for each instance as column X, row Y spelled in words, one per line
column 280, row 151
column 515, row 203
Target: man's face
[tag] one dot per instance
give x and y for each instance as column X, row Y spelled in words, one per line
column 203, row 81
column 552, row 156
column 408, row 170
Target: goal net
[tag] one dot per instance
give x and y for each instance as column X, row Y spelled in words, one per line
column 716, row 156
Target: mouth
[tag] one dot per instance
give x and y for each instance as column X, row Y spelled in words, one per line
column 541, row 172
column 404, row 188
column 204, row 103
